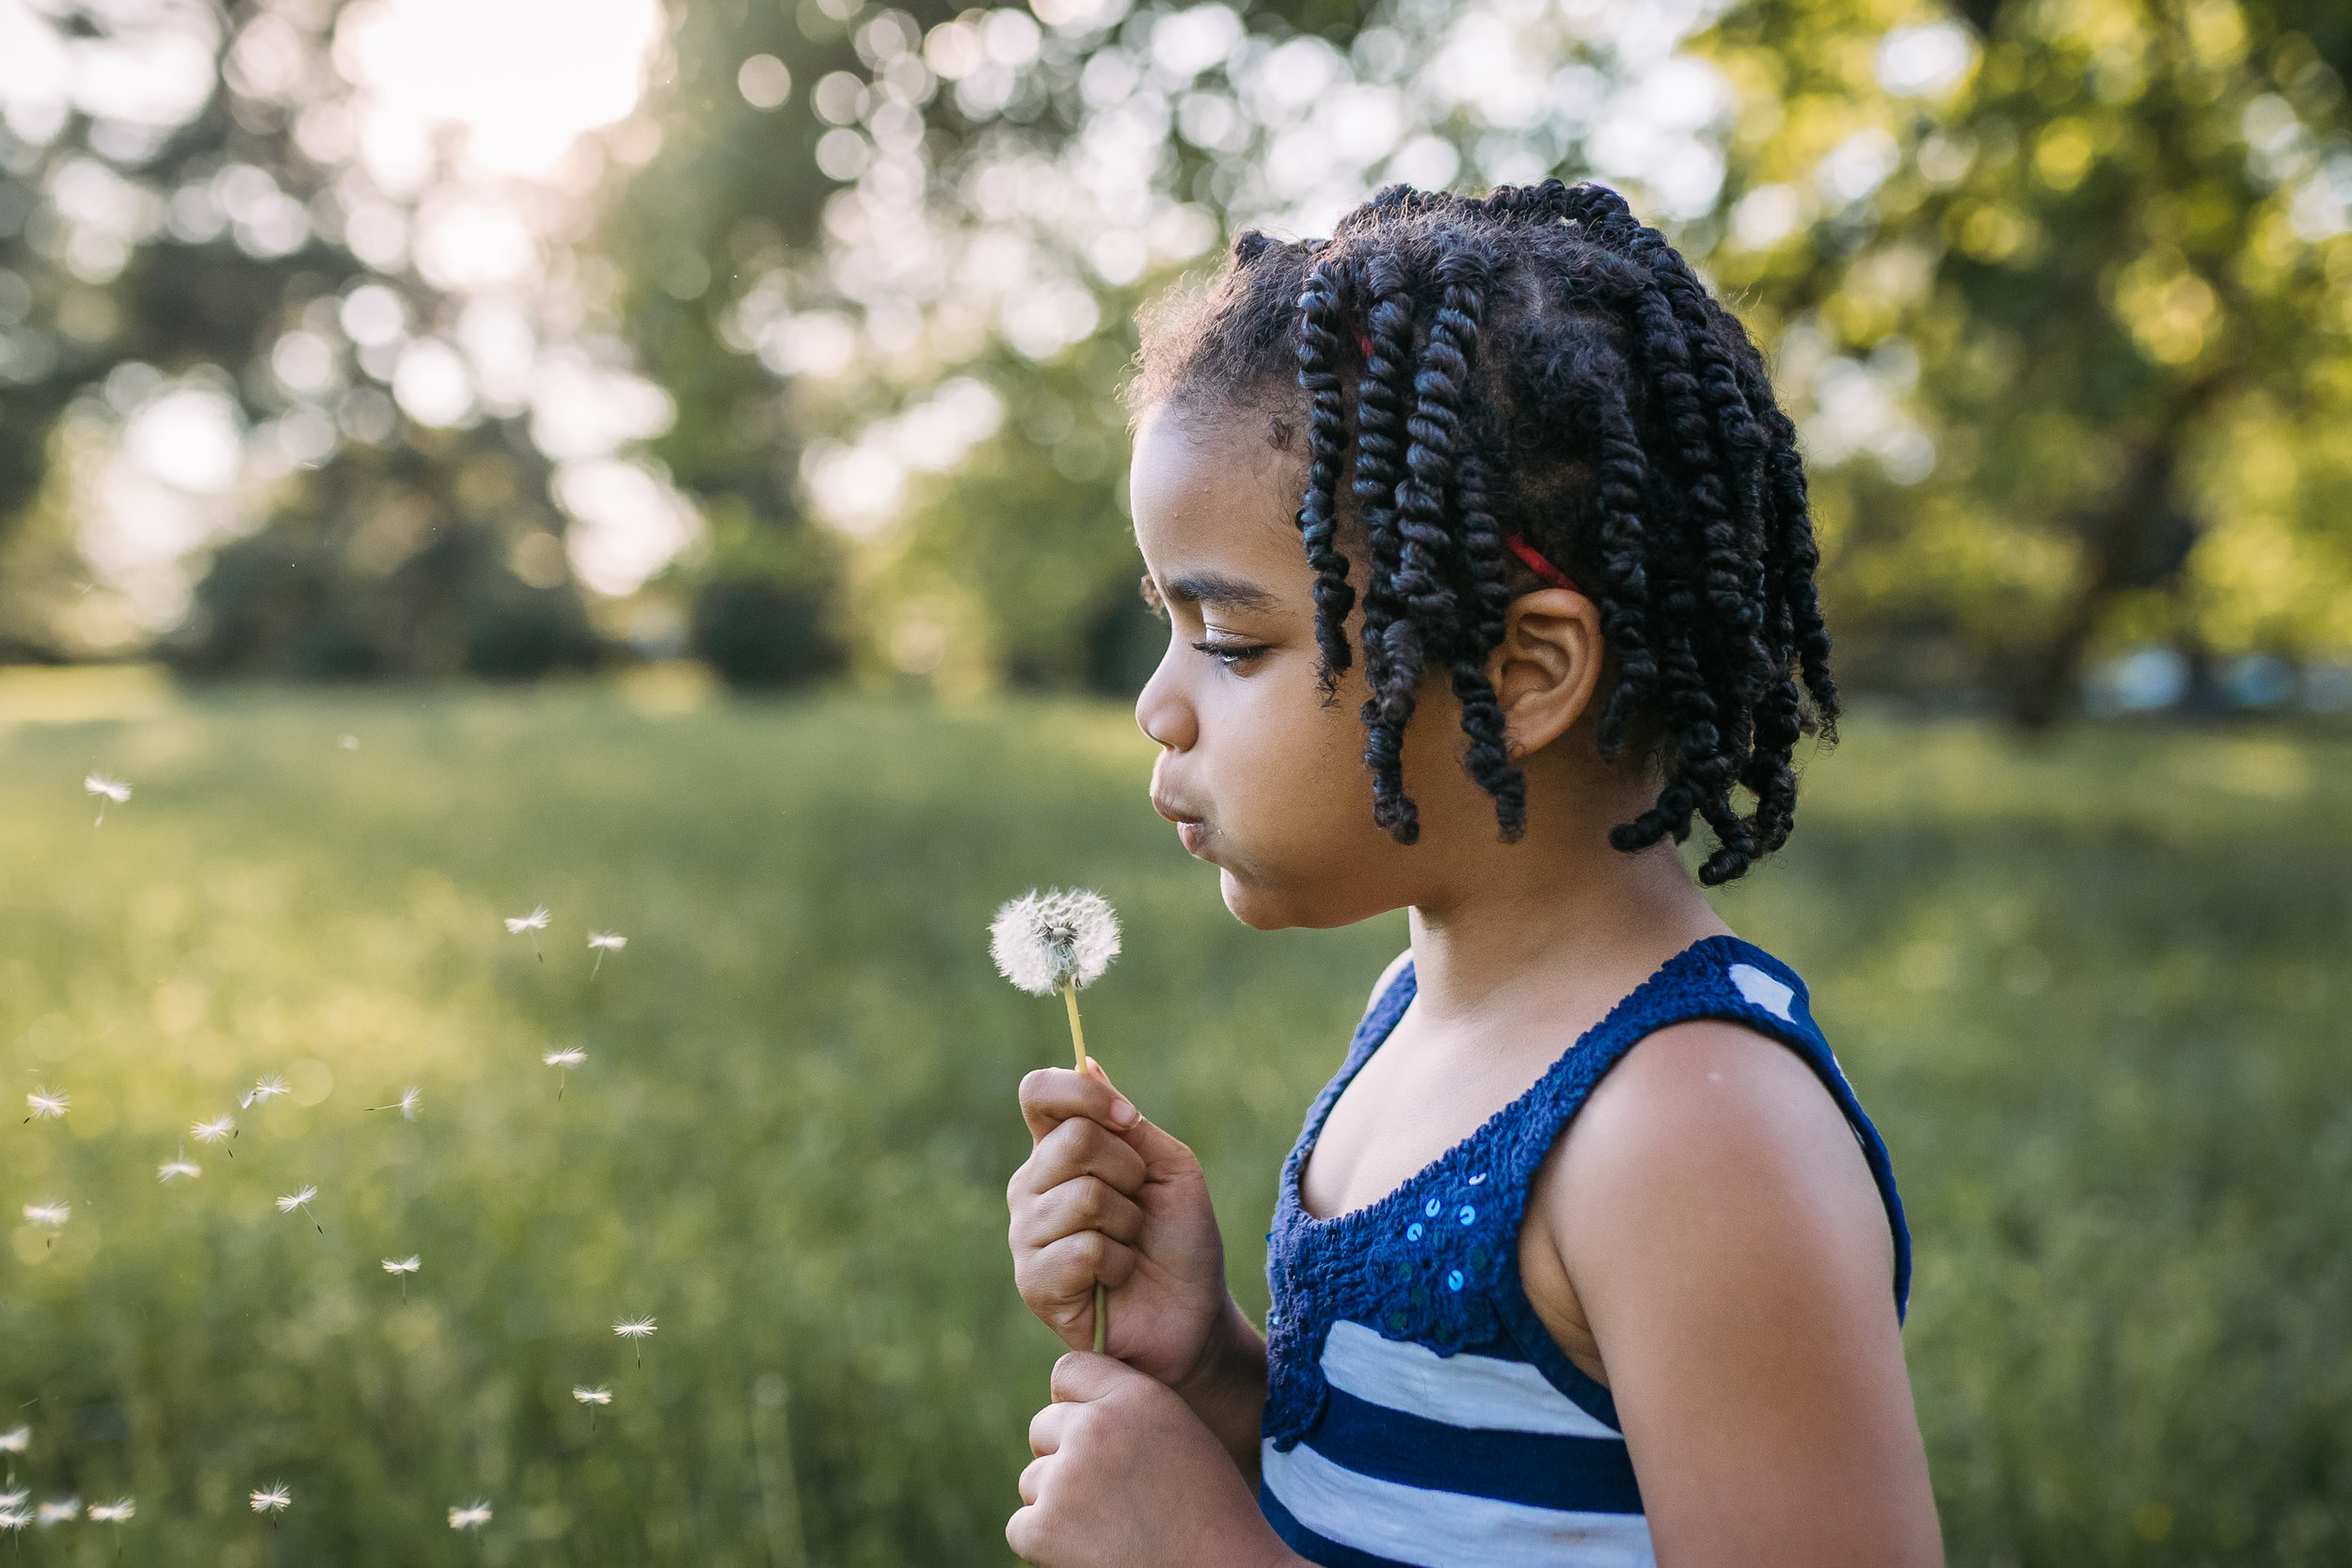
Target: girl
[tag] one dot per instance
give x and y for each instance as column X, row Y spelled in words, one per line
column 1485, row 555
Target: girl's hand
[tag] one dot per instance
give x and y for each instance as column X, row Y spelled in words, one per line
column 1106, row 1196
column 1126, row 1476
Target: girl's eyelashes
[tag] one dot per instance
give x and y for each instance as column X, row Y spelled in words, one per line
column 1231, row 655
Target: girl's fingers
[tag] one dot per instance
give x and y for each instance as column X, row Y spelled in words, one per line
column 1057, row 1281
column 1032, row 1478
column 1077, row 1148
column 1052, row 1095
column 1082, row 1203
column 1045, row 1430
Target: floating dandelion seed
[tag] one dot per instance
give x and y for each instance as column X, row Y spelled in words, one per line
column 473, row 1517
column 172, row 1170
column 564, row 1061
column 1057, row 942
column 273, row 1502
column 292, row 1201
column 15, row 1519
column 535, row 922
column 46, row 1105
column 213, row 1132
column 50, row 1214
column 403, row 1268
column 16, row 1442
column 594, row 1399
column 265, row 1090
column 601, row 942
column 406, row 1104
column 59, row 1510
column 106, row 789
column 635, row 1330
column 15, row 1498
column 116, row 1513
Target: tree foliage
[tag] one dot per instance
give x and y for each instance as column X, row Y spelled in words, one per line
column 210, row 237
column 2077, row 270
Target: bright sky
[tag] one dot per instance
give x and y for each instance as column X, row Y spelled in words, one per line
column 522, row 77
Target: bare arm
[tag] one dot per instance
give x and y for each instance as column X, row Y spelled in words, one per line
column 1732, row 1255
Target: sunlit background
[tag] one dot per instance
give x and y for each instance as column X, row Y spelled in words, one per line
column 765, row 334
column 661, row 459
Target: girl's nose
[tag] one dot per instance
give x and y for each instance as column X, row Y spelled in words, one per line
column 1161, row 710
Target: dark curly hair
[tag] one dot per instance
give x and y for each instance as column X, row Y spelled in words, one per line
column 1537, row 367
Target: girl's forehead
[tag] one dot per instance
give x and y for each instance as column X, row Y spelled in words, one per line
column 1204, row 490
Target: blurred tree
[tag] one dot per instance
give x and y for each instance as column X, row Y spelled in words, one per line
column 2068, row 286
column 733, row 192
column 183, row 209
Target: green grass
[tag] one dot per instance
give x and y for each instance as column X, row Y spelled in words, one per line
column 2094, row 994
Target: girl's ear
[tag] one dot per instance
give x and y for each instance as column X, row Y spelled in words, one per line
column 1547, row 667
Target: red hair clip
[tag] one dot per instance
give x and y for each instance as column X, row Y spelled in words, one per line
column 1518, row 546
column 1537, row 564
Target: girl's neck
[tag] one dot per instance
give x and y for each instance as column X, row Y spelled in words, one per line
column 1557, row 930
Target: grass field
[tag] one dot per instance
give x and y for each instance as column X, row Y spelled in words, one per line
column 2095, row 995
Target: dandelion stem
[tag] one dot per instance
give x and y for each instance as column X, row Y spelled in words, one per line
column 1078, row 1044
column 1078, row 1035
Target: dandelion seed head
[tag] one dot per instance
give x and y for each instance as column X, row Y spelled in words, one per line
column 592, row 1396
column 44, row 1104
column 535, row 921
column 266, row 1090
column 633, row 1328
column 52, row 1214
column 292, row 1201
column 473, row 1517
column 277, row 1500
column 409, row 1264
column 1044, row 941
column 611, row 941
column 172, row 1170
column 58, row 1510
column 113, row 789
column 16, row 1442
column 116, row 1513
column 213, row 1131
column 565, row 1058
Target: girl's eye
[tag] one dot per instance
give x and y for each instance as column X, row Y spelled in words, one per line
column 1231, row 655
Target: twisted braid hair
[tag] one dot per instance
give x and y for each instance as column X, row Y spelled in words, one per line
column 1318, row 510
column 1535, row 366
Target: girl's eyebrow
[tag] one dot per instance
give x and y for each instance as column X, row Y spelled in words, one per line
column 1220, row 592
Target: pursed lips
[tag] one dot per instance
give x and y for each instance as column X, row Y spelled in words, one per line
column 1190, row 826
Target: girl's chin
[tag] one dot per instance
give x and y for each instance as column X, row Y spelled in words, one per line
column 1253, row 907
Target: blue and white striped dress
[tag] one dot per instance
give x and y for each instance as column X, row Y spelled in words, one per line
column 1418, row 1412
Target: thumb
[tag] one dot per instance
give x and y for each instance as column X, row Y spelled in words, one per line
column 1081, row 1377
column 1146, row 1138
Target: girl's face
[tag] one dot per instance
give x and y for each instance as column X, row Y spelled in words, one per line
column 1263, row 775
